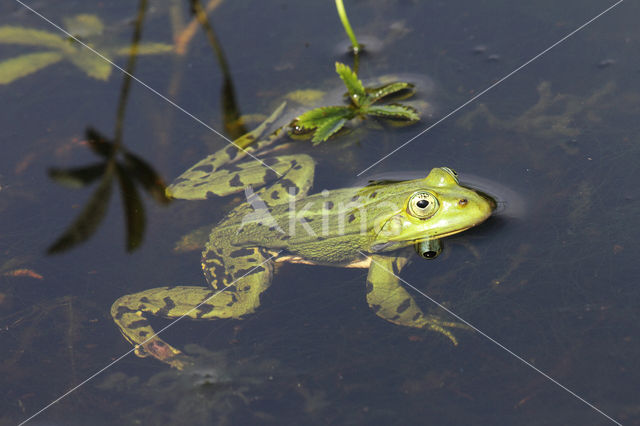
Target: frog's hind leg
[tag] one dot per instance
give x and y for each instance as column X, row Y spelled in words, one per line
column 239, row 298
column 204, row 180
column 390, row 301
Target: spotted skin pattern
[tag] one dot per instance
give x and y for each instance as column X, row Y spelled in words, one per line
column 328, row 228
column 390, row 301
column 246, row 271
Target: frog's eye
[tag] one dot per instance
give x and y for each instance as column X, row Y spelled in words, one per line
column 422, row 205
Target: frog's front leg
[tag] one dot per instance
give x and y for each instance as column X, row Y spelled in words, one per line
column 390, row 301
column 131, row 312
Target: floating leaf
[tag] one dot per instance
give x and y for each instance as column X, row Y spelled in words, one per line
column 84, row 25
column 93, row 65
column 87, row 222
column 21, row 66
column 398, row 90
column 354, row 86
column 133, row 209
column 144, row 49
column 98, row 143
column 79, row 176
column 30, row 37
column 151, row 181
column 328, row 128
column 393, row 112
column 318, row 116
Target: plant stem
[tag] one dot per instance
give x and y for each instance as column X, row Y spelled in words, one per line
column 347, row 26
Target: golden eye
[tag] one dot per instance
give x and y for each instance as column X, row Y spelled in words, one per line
column 422, row 205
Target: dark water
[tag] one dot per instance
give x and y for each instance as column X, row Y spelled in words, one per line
column 553, row 277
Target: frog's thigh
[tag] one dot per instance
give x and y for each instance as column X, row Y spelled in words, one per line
column 204, row 181
column 389, row 300
column 294, row 183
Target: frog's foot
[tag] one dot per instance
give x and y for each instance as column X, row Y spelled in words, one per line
column 131, row 312
column 437, row 324
column 390, row 301
column 162, row 351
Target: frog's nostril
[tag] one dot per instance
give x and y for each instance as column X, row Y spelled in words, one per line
column 463, row 202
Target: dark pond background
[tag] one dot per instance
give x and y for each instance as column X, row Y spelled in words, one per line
column 554, row 277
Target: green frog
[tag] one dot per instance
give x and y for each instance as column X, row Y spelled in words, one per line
column 377, row 226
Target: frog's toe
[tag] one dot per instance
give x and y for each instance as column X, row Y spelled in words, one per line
column 436, row 324
column 181, row 361
column 440, row 329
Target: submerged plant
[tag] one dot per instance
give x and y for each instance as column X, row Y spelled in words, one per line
column 117, row 164
column 128, row 171
column 326, row 121
column 58, row 48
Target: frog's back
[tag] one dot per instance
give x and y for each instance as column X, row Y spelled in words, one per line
column 333, row 227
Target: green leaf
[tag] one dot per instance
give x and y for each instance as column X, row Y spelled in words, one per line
column 393, row 112
column 328, row 128
column 151, row 181
column 318, row 116
column 93, row 65
column 133, row 209
column 84, row 25
column 79, row 176
column 397, row 90
column 87, row 222
column 356, row 90
column 30, row 37
column 21, row 66
column 144, row 49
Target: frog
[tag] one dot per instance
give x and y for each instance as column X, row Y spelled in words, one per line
column 377, row 226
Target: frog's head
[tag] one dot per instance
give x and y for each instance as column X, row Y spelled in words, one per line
column 438, row 207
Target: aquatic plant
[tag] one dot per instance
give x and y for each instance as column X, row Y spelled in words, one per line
column 326, row 121
column 59, row 48
column 118, row 163
column 355, row 46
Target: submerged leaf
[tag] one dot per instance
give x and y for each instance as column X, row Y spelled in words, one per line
column 306, row 97
column 133, row 209
column 87, row 222
column 79, row 176
column 394, row 112
column 98, row 143
column 151, row 181
column 144, row 49
column 93, row 65
column 30, row 37
column 398, row 90
column 21, row 66
column 356, row 90
column 84, row 25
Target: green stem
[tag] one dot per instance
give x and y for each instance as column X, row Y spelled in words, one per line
column 347, row 26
